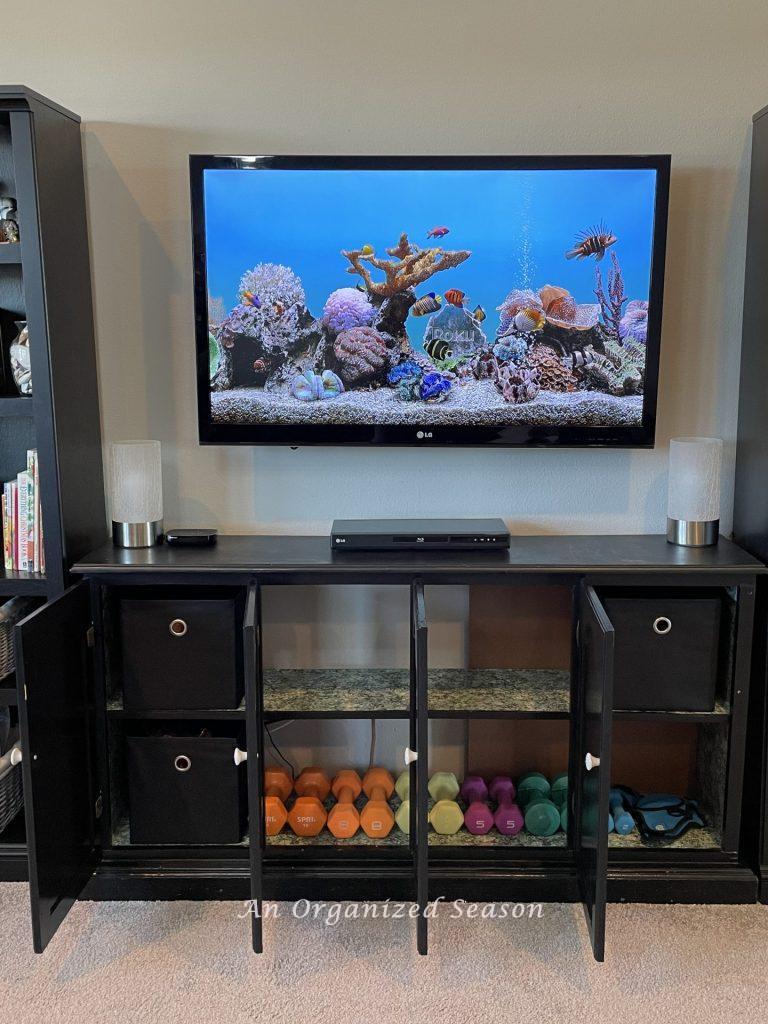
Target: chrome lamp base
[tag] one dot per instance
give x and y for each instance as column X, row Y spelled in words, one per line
column 137, row 535
column 689, row 533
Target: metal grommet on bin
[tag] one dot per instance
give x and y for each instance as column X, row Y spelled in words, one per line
column 178, row 627
column 662, row 625
column 182, row 763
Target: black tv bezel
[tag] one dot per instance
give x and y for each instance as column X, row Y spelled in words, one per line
column 429, row 434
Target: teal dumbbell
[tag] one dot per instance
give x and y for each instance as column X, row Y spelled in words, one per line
column 558, row 792
column 532, row 784
column 542, row 816
column 559, row 796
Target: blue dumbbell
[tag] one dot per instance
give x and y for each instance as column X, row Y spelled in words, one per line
column 623, row 821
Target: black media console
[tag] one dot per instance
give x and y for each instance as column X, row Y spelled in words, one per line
column 534, row 689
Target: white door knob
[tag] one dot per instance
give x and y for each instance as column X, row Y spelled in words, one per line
column 15, row 756
column 590, row 762
column 410, row 756
column 240, row 755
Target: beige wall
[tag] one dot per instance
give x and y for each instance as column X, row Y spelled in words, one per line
column 155, row 81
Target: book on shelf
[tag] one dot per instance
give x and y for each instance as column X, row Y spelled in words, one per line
column 22, row 520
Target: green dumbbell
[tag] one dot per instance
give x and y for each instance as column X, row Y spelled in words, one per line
column 558, row 793
column 446, row 817
column 542, row 816
column 532, row 784
column 559, row 797
column 403, row 790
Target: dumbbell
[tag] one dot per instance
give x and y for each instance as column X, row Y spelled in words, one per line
column 403, row 790
column 277, row 789
column 308, row 815
column 377, row 818
column 542, row 816
column 443, row 817
column 532, row 784
column 558, row 792
column 343, row 819
column 623, row 822
column 559, row 796
column 446, row 817
column 508, row 817
column 478, row 816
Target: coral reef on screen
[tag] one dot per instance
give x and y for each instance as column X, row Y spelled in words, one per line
column 410, row 339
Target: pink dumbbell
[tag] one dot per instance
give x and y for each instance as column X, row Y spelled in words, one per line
column 477, row 817
column 508, row 817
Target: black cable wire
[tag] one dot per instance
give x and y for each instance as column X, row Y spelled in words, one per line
column 280, row 753
column 373, row 743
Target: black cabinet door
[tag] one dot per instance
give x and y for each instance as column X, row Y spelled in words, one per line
column 593, row 762
column 419, row 768
column 54, row 669
column 254, row 727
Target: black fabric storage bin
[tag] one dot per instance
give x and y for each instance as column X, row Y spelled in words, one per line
column 180, row 653
column 185, row 789
column 666, row 655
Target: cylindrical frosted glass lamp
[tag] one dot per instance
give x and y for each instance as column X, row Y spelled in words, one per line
column 693, row 509
column 136, row 493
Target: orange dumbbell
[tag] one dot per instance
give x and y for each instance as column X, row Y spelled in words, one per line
column 277, row 789
column 307, row 816
column 377, row 818
column 343, row 819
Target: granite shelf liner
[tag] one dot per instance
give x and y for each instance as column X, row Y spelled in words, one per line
column 337, row 689
column 498, row 841
column 497, row 689
column 694, row 839
column 459, row 691
column 450, row 690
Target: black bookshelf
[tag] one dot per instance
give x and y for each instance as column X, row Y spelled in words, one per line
column 46, row 280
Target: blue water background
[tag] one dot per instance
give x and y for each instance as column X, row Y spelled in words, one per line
column 517, row 224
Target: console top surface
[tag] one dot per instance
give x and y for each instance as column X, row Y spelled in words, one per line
column 646, row 553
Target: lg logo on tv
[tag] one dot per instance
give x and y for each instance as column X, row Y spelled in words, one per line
column 423, row 434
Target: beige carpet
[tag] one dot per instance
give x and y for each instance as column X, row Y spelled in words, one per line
column 189, row 962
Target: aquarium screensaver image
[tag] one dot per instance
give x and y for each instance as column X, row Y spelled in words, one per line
column 451, row 297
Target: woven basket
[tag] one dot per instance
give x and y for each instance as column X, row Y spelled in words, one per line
column 11, row 794
column 11, row 612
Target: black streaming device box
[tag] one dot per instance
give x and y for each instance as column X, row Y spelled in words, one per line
column 191, row 538
column 417, row 534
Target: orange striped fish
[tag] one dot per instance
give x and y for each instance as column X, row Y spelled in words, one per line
column 455, row 297
column 592, row 242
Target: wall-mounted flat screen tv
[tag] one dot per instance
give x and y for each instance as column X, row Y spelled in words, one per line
column 428, row 300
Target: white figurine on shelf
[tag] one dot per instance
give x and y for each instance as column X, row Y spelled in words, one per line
column 20, row 362
column 9, row 225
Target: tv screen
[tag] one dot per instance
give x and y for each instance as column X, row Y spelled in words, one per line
column 428, row 300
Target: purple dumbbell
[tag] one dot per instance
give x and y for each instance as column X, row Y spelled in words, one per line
column 477, row 817
column 508, row 817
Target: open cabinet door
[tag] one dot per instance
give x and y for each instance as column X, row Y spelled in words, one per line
column 254, row 728
column 595, row 654
column 419, row 767
column 54, row 670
